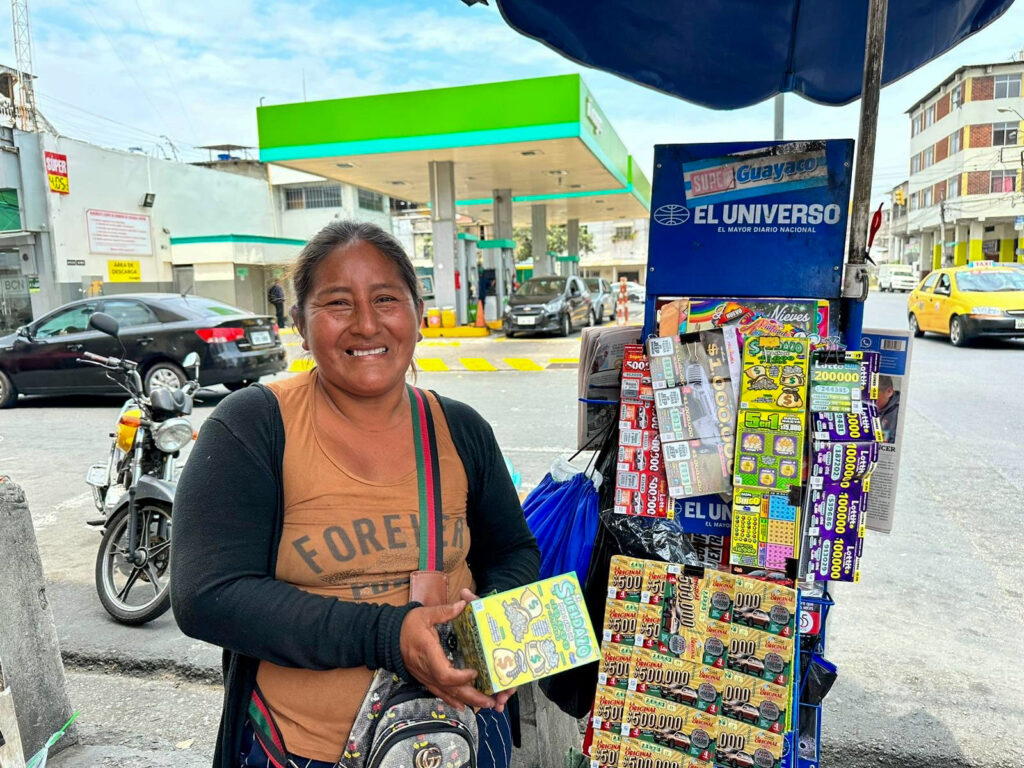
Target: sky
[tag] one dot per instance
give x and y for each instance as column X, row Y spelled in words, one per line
column 149, row 74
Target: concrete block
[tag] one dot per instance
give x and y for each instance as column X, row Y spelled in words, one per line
column 548, row 732
column 29, row 652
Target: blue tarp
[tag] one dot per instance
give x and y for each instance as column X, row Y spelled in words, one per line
column 727, row 54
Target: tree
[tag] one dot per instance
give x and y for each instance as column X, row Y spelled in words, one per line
column 558, row 241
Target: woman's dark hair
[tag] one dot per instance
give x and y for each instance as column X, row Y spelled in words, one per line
column 341, row 234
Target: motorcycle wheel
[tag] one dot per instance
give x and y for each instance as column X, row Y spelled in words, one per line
column 133, row 594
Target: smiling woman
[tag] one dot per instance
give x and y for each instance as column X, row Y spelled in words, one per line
column 299, row 521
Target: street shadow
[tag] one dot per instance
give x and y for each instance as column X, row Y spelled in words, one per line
column 205, row 398
column 985, row 342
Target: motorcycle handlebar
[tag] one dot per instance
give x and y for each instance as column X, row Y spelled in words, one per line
column 109, row 362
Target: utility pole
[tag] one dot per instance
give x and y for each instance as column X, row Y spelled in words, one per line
column 780, row 115
column 23, row 63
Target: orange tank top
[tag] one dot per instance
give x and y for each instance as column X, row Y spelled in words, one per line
column 354, row 540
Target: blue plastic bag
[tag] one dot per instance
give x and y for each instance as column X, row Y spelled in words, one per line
column 562, row 511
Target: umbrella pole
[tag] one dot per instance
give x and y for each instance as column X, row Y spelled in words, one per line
column 855, row 279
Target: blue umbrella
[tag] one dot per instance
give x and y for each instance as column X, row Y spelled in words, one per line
column 727, row 54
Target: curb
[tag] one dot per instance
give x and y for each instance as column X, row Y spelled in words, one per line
column 124, row 665
column 459, row 332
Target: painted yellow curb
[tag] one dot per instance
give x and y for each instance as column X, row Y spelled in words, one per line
column 477, row 364
column 523, row 364
column 460, row 332
column 431, row 364
column 564, row 361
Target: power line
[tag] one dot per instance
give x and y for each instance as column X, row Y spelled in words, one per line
column 167, row 71
column 124, row 64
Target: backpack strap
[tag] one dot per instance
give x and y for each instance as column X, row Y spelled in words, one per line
column 428, row 474
column 266, row 731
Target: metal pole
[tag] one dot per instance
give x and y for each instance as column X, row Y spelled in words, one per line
column 855, row 278
column 780, row 115
column 874, row 50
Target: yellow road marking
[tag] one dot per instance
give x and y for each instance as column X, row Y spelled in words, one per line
column 476, row 364
column 523, row 364
column 440, row 344
column 564, row 360
column 302, row 364
column 431, row 364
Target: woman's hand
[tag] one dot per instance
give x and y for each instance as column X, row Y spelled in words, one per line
column 500, row 699
column 426, row 661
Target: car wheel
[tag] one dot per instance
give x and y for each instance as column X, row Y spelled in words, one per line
column 957, row 335
column 591, row 319
column 8, row 394
column 566, row 327
column 234, row 386
column 914, row 327
column 163, row 375
column 510, row 334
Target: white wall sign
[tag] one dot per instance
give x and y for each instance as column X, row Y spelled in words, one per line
column 113, row 232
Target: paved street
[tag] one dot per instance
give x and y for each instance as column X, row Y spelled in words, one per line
column 928, row 644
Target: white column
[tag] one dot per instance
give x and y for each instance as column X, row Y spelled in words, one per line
column 539, row 237
column 442, row 220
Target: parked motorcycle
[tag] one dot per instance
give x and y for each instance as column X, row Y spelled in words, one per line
column 133, row 563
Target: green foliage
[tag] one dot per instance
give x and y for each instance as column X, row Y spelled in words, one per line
column 558, row 241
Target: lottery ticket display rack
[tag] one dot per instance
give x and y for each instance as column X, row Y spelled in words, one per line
column 758, row 220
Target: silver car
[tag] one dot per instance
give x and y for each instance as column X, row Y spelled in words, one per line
column 602, row 297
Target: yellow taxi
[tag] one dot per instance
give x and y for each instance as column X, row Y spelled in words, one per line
column 980, row 299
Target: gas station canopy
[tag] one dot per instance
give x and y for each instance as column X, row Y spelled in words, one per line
column 545, row 139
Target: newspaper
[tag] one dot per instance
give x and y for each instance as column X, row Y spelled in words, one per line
column 895, row 347
column 600, row 373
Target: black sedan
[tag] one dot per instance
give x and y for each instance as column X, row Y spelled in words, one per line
column 158, row 330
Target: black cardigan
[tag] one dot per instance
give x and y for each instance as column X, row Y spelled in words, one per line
column 228, row 516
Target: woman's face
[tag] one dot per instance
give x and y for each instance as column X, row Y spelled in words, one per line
column 361, row 323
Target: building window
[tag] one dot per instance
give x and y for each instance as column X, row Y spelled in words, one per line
column 957, row 97
column 1004, row 134
column 371, row 201
column 915, row 127
column 1007, row 86
column 926, row 198
column 913, row 201
column 1004, row 181
column 915, row 164
column 954, row 143
column 318, row 196
column 929, row 156
column 953, row 185
column 929, row 116
column 623, row 233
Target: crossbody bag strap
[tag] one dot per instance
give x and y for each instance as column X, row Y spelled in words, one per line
column 428, row 473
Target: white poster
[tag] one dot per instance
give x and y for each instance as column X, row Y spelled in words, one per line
column 894, row 347
column 116, row 233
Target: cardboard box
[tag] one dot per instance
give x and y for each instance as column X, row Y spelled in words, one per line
column 670, row 724
column 527, row 633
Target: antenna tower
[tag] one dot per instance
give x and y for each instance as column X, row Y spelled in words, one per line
column 23, row 63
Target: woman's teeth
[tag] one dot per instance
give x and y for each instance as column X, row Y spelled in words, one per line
column 367, row 352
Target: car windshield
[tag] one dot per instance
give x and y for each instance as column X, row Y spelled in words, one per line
column 991, row 281
column 202, row 306
column 593, row 284
column 543, row 286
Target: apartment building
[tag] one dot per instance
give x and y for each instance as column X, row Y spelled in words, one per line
column 963, row 198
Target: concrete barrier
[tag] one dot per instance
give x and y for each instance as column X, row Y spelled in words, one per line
column 32, row 666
